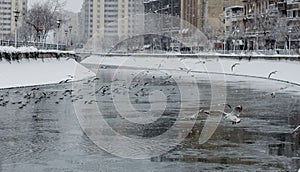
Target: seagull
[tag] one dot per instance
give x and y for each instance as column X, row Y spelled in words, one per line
column 70, row 76
column 273, row 94
column 185, row 69
column 235, row 64
column 274, row 72
column 159, row 66
column 64, row 81
column 232, row 116
column 200, row 61
column 296, row 129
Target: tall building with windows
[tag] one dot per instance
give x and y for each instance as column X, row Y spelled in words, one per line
column 111, row 20
column 272, row 24
column 205, row 15
column 7, row 19
column 162, row 20
column 293, row 17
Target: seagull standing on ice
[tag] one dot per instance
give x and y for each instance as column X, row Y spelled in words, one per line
column 274, row 72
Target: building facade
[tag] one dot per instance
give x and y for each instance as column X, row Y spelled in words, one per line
column 162, row 23
column 7, row 19
column 207, row 16
column 108, row 21
column 233, row 28
column 272, row 24
column 293, row 19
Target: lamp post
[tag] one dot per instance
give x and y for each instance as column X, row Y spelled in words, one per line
column 235, row 32
column 70, row 34
column 216, row 43
column 224, row 42
column 290, row 31
column 256, row 40
column 16, row 15
column 58, row 26
column 66, row 35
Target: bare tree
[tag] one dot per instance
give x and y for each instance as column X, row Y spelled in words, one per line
column 42, row 16
column 273, row 26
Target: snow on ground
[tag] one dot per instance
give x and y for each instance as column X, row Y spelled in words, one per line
column 286, row 70
column 10, row 49
column 39, row 72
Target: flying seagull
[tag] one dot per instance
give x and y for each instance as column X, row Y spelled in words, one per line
column 64, row 81
column 235, row 64
column 232, row 116
column 274, row 72
column 296, row 129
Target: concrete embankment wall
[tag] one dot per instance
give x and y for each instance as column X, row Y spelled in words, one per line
column 177, row 55
column 16, row 56
column 287, row 67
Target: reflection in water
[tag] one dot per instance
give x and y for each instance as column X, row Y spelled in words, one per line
column 45, row 134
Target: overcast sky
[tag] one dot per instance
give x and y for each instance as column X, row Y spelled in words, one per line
column 72, row 5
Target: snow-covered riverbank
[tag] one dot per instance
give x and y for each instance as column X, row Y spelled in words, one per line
column 40, row 72
column 287, row 68
column 22, row 72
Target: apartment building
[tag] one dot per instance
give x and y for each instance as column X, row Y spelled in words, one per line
column 205, row 15
column 110, row 21
column 7, row 19
column 233, row 28
column 272, row 24
column 162, row 23
column 293, row 18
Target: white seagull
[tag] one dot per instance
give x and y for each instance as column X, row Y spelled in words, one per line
column 296, row 129
column 232, row 116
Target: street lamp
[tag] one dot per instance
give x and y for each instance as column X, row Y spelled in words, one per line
column 290, row 31
column 236, row 33
column 216, row 42
column 224, row 42
column 256, row 40
column 16, row 15
column 58, row 22
column 66, row 34
column 70, row 35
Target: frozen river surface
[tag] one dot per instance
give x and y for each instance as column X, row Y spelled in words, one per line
column 39, row 128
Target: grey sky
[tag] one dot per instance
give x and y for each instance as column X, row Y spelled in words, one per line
column 72, row 5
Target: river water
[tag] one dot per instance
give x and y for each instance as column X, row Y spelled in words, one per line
column 40, row 131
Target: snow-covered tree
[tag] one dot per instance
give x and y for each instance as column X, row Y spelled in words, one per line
column 273, row 26
column 43, row 16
